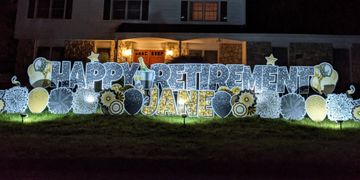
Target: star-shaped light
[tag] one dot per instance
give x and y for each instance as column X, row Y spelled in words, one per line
column 94, row 57
column 271, row 60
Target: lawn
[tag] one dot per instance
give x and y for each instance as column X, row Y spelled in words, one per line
column 235, row 144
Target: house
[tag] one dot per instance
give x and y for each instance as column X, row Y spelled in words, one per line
column 159, row 30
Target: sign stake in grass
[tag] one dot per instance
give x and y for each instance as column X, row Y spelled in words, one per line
column 184, row 116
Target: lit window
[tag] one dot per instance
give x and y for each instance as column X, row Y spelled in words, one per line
column 204, row 11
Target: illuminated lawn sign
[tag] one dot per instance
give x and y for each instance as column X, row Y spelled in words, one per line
column 194, row 90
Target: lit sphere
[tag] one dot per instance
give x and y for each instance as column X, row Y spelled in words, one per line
column 316, row 108
column 38, row 100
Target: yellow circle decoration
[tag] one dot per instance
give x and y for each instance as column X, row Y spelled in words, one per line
column 107, row 97
column 315, row 106
column 2, row 105
column 38, row 100
column 356, row 113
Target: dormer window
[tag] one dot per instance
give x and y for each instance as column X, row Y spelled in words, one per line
column 204, row 11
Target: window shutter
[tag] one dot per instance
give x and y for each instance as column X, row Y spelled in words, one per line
column 145, row 10
column 223, row 11
column 31, row 9
column 69, row 8
column 184, row 10
column 107, row 6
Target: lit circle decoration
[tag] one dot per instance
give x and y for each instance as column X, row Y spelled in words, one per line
column 16, row 99
column 356, row 113
column 116, row 108
column 339, row 107
column 247, row 98
column 315, row 106
column 133, row 101
column 222, row 104
column 60, row 101
column 293, row 107
column 2, row 105
column 38, row 100
column 107, row 97
column 239, row 110
column 268, row 104
column 85, row 101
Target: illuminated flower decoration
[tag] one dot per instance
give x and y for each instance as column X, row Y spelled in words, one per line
column 251, row 111
column 356, row 113
column 85, row 101
column 339, row 107
column 2, row 105
column 268, row 104
column 235, row 91
column 16, row 99
column 107, row 97
column 116, row 108
column 239, row 110
column 60, row 100
column 293, row 106
column 117, row 88
column 247, row 98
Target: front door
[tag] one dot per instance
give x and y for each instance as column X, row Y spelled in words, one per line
column 150, row 56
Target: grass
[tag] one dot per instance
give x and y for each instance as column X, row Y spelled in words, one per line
column 251, row 139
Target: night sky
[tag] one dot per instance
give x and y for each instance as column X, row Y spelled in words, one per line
column 304, row 16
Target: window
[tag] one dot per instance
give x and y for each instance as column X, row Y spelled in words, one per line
column 51, row 53
column 210, row 56
column 56, row 9
column 126, row 9
column 204, row 11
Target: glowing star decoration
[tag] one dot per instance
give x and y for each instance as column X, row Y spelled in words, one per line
column 239, row 110
column 38, row 100
column 133, row 101
column 16, row 99
column 116, row 108
column 150, row 108
column 268, row 104
column 93, row 57
column 107, row 97
column 356, row 113
column 187, row 102
column 293, row 107
column 39, row 73
column 85, row 101
column 167, row 106
column 325, row 79
column 60, row 101
column 221, row 104
column 2, row 105
column 339, row 107
column 270, row 60
column 316, row 108
column 205, row 106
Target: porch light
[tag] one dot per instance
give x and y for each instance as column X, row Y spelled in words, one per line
column 127, row 52
column 169, row 52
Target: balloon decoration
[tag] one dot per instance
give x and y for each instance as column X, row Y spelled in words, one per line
column 316, row 108
column 133, row 101
column 221, row 104
column 38, row 100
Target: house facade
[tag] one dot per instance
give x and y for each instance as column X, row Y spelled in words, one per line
column 160, row 30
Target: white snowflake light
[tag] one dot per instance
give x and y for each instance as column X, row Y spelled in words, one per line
column 60, row 101
column 85, row 101
column 268, row 104
column 16, row 99
column 293, row 106
column 339, row 107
